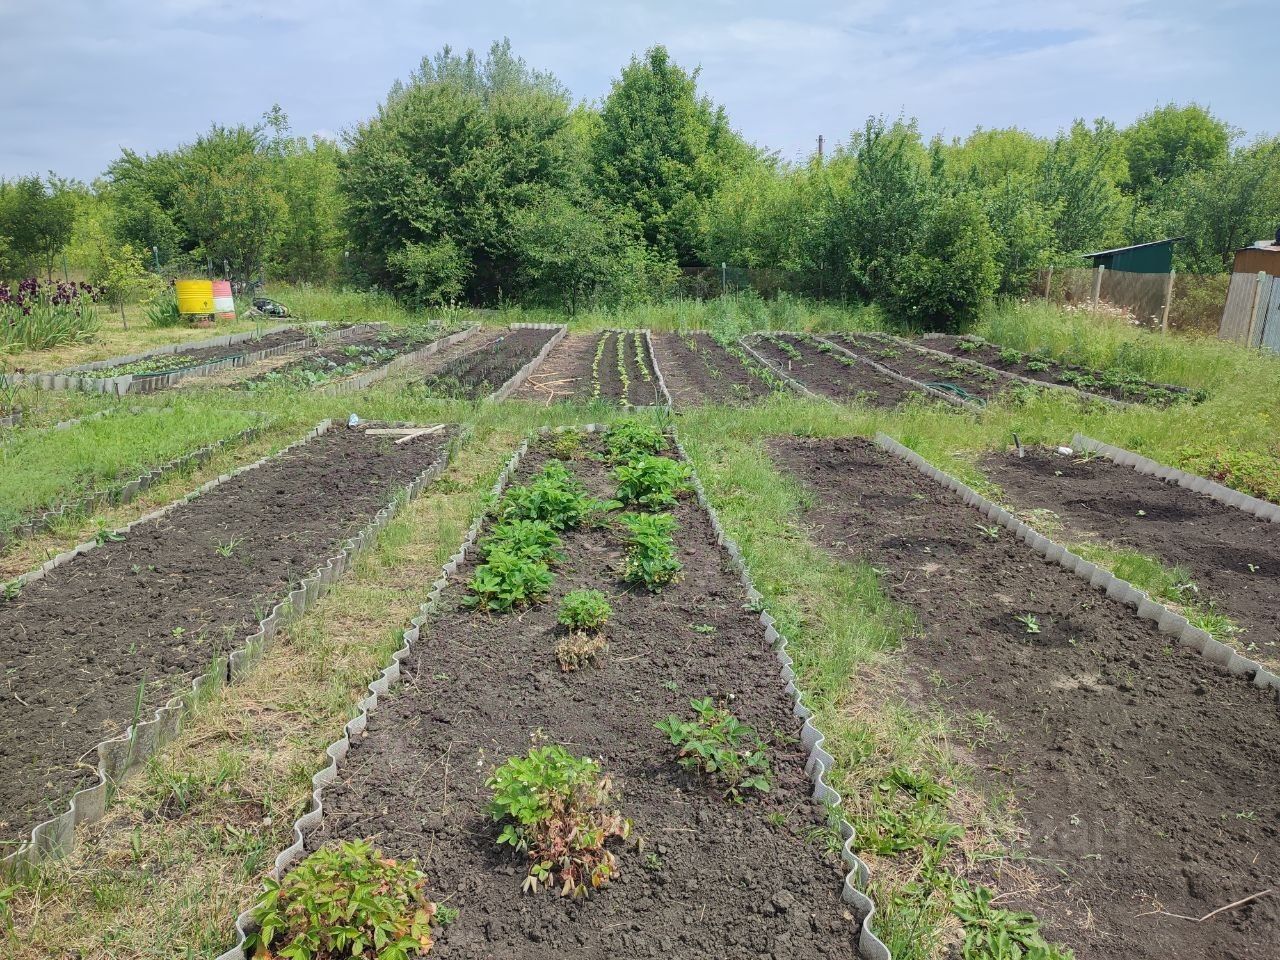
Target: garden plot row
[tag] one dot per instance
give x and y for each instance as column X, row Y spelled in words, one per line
column 820, row 369
column 535, row 738
column 1109, row 384
column 107, row 634
column 697, row 369
column 614, row 366
column 1143, row 773
column 491, row 363
column 966, row 379
column 1222, row 563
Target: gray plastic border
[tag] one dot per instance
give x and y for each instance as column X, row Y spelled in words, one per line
column 11, row 420
column 1193, row 482
column 370, row 377
column 1168, row 621
column 226, row 340
column 517, row 380
column 817, row 765
column 123, row 493
column 900, row 377
column 117, row 757
column 657, row 372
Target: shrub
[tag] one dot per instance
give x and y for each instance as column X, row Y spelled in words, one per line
column 651, row 554
column 584, row 610
column 507, row 580
column 715, row 742
column 553, row 497
column 651, row 482
column 347, row 901
column 555, row 808
column 633, row 438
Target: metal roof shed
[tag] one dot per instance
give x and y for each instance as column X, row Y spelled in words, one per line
column 1153, row 257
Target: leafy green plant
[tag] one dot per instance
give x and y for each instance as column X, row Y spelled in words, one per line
column 651, row 482
column 993, row 933
column 104, row 535
column 556, row 808
column 531, row 539
column 1029, row 622
column 651, row 553
column 345, row 901
column 553, row 497
column 566, row 443
column 632, row 438
column 586, row 610
column 162, row 311
column 715, row 742
column 507, row 580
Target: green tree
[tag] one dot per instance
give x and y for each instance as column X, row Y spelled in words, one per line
column 1230, row 206
column 1079, row 182
column 36, row 220
column 123, row 275
column 1171, row 142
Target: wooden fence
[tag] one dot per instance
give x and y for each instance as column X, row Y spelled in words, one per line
column 1176, row 302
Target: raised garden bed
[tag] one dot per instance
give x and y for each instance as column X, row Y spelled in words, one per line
column 1112, row 384
column 966, row 379
column 1228, row 560
column 480, row 369
column 698, row 369
column 713, row 878
column 106, row 635
column 821, row 370
column 1142, row 773
column 612, row 366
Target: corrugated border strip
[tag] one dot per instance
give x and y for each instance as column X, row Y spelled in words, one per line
column 1193, row 482
column 657, row 372
column 117, row 757
column 790, row 381
column 370, row 377
column 816, row 766
column 820, row 762
column 1169, row 622
column 225, row 340
column 516, row 380
column 123, row 493
column 900, row 377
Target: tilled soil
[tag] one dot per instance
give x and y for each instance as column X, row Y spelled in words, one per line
column 1062, row 374
column 487, row 365
column 189, row 358
column 1145, row 776
column 331, row 363
column 715, row 879
column 641, row 386
column 1232, row 557
column 565, row 374
column 156, row 610
column 824, row 374
column 699, row 370
column 901, row 356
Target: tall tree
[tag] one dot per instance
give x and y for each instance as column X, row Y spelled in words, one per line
column 36, row 220
column 1171, row 142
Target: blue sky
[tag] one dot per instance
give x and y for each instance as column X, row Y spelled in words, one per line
column 80, row 79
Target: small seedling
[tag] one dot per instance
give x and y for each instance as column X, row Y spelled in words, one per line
column 703, row 628
column 992, row 533
column 1142, row 513
column 12, row 590
column 228, row 548
column 106, row 535
column 1253, row 567
column 715, row 742
column 178, row 632
column 1029, row 622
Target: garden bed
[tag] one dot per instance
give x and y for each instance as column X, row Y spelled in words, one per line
column 699, row 369
column 956, row 375
column 614, row 366
column 1143, row 774
column 714, row 877
column 827, row 372
column 487, row 362
column 1229, row 560
column 1111, row 384
column 110, row 632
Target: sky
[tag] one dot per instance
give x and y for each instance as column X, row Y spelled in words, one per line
column 82, row 79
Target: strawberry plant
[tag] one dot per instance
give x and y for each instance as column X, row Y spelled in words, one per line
column 556, row 809
column 651, row 553
column 345, row 901
column 553, row 497
column 651, row 482
column 584, row 610
column 715, row 742
column 531, row 539
column 578, row 650
column 633, row 438
column 507, row 580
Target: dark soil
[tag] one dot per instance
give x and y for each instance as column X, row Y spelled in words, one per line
column 697, row 369
column 486, row 365
column 1116, row 385
column 1145, row 777
column 714, row 878
column 328, row 364
column 169, row 362
column 638, row 392
column 826, row 373
column 901, row 356
column 565, row 374
column 159, row 607
column 1233, row 557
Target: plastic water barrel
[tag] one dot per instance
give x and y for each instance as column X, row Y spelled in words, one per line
column 195, row 297
column 223, row 303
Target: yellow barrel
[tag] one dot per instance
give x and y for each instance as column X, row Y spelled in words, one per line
column 195, row 297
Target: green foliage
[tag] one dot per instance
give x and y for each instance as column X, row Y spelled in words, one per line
column 36, row 222
column 553, row 497
column 506, row 581
column 627, row 439
column 163, row 310
column 533, row 539
column 124, row 278
column 1248, row 472
column 715, row 742
column 651, row 482
column 345, row 901
column 1171, row 142
column 993, row 933
column 651, row 553
column 555, row 808
column 584, row 610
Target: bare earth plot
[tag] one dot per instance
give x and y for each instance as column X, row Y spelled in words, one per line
column 697, row 369
column 828, row 373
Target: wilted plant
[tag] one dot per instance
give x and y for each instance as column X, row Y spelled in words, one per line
column 345, row 901
column 507, row 580
column 651, row 553
column 715, row 742
column 651, row 482
column 578, row 650
column 556, row 809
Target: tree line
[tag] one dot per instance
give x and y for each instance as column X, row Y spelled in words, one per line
column 480, row 179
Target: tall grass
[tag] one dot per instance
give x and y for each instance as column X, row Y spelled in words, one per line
column 308, row 302
column 42, row 323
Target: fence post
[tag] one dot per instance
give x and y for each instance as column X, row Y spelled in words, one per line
column 1048, row 285
column 1258, row 282
column 1097, row 286
column 1168, row 301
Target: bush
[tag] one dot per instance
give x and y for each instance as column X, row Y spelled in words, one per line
column 163, row 311
column 347, row 901
column 652, row 482
column 651, row 554
column 715, row 742
column 554, row 808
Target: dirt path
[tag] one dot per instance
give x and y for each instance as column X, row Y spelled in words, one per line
column 1145, row 776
